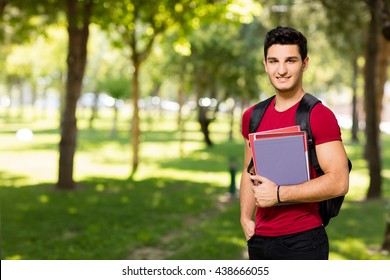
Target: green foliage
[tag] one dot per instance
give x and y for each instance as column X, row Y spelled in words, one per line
column 23, row 20
column 225, row 38
column 117, row 87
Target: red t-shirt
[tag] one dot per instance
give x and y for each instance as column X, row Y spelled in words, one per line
column 289, row 219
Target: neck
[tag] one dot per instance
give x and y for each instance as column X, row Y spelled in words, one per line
column 284, row 100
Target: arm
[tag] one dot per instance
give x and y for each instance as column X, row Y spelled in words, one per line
column 335, row 181
column 247, row 201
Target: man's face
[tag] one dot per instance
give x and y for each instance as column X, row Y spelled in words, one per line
column 285, row 67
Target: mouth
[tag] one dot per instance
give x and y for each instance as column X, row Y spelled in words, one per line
column 282, row 79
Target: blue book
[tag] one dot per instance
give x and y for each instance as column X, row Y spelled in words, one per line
column 282, row 160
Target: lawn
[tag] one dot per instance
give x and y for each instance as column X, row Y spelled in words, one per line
column 174, row 208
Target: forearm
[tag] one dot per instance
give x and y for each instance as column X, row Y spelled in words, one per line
column 247, row 206
column 247, row 200
column 324, row 187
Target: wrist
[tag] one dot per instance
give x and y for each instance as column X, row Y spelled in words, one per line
column 244, row 219
column 278, row 194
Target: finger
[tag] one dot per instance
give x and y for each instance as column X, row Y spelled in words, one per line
column 255, row 190
column 258, row 178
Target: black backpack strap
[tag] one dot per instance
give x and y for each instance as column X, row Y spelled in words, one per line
column 254, row 122
column 302, row 118
column 258, row 113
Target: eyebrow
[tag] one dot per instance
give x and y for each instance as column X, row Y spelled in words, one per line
column 287, row 58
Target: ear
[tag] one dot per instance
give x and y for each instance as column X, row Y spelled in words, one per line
column 305, row 64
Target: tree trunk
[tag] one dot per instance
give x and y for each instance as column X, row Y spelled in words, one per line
column 94, row 109
column 21, row 99
column 386, row 241
column 383, row 62
column 355, row 116
column 204, row 122
column 78, row 14
column 3, row 3
column 114, row 128
column 231, row 126
column 180, row 117
column 372, row 149
column 135, row 128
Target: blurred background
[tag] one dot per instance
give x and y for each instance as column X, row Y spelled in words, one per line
column 120, row 122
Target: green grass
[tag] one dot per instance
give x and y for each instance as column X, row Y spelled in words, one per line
column 174, row 207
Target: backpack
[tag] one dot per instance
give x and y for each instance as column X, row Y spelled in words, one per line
column 328, row 208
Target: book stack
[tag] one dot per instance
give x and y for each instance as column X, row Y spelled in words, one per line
column 281, row 155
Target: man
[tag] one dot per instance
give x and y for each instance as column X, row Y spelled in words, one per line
column 293, row 231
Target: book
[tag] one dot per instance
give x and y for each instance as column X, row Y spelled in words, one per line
column 281, row 155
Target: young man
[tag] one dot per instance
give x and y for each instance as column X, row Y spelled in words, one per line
column 292, row 231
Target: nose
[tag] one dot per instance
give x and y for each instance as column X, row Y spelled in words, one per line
column 282, row 69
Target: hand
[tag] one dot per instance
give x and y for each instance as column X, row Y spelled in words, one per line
column 264, row 191
column 248, row 227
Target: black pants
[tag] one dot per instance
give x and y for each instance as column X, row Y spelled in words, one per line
column 308, row 245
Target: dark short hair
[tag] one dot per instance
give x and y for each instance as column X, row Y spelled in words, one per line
column 285, row 36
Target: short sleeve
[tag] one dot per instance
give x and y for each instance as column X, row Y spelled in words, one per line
column 324, row 125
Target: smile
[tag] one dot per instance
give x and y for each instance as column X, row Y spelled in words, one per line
column 283, row 79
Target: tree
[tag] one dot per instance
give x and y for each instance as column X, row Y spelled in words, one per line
column 226, row 63
column 79, row 17
column 341, row 26
column 117, row 88
column 372, row 93
column 219, row 60
column 138, row 24
column 106, row 64
column 15, row 30
column 345, row 29
column 384, row 61
column 37, row 64
column 3, row 3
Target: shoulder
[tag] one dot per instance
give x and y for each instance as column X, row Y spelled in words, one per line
column 245, row 121
column 324, row 124
column 259, row 107
column 322, row 111
column 247, row 113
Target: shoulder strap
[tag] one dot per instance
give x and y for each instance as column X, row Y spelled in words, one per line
column 302, row 118
column 258, row 113
column 254, row 122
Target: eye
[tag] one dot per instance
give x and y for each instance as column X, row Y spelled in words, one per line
column 291, row 60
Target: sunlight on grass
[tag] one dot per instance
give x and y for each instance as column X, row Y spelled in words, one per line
column 15, row 257
column 33, row 167
column 218, row 179
column 349, row 247
column 357, row 185
column 386, row 173
column 43, row 199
